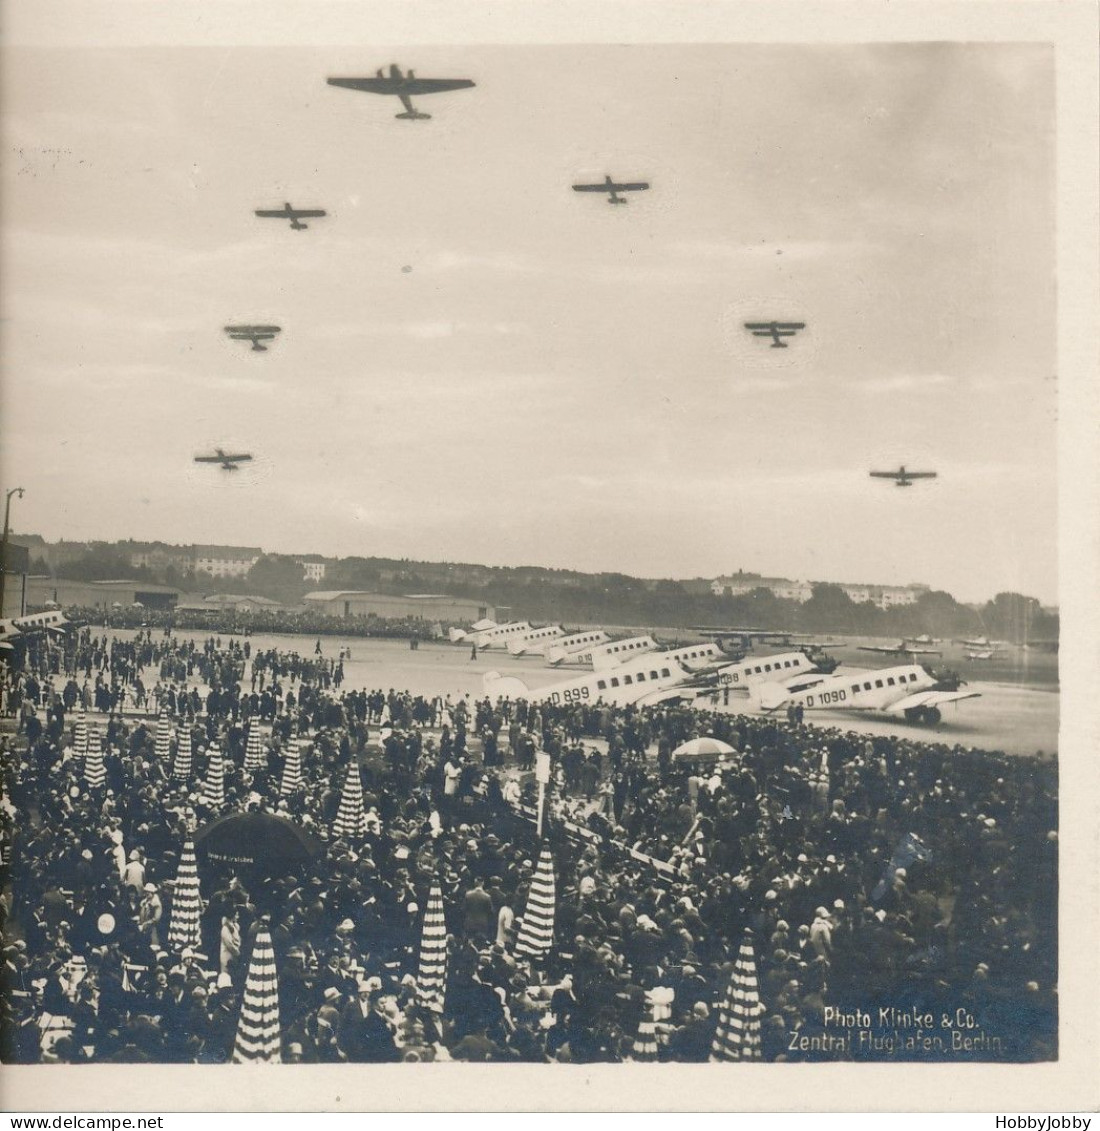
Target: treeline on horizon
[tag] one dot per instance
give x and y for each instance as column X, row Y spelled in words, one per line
column 573, row 598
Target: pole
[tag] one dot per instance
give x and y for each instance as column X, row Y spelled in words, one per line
column 542, row 806
column 4, row 544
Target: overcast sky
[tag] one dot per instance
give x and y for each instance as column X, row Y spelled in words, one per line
column 479, row 364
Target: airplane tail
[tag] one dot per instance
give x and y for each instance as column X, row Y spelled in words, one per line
column 497, row 686
column 768, row 696
column 456, row 635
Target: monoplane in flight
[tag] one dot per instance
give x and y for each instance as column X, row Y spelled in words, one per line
column 613, row 188
column 403, row 87
column 253, row 334
column 228, row 462
column 775, row 331
column 294, row 215
column 901, row 477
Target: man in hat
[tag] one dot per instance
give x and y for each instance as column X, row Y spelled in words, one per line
column 150, row 914
column 363, row 1035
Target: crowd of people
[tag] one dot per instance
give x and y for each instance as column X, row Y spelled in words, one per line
column 863, row 871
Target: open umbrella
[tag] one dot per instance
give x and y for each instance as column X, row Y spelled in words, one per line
column 431, row 980
column 536, row 929
column 256, row 839
column 186, row 929
column 738, row 1033
column 95, row 773
column 80, row 739
column 351, row 820
column 292, row 769
column 258, row 1036
column 254, row 751
column 702, row 749
column 181, row 770
column 213, row 787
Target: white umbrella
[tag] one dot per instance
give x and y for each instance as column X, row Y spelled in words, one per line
column 705, row 747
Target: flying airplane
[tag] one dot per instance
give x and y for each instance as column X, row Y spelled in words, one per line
column 904, row 648
column 403, row 87
column 912, row 690
column 901, row 477
column 613, row 189
column 294, row 215
column 228, row 463
column 253, row 334
column 775, row 331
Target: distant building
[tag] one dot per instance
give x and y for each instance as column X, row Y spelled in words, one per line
column 217, row 602
column 742, row 583
column 159, row 555
column 98, row 594
column 885, row 596
column 226, row 561
column 419, row 606
column 313, row 566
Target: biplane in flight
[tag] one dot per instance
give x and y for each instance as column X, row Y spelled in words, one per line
column 253, row 334
column 228, row 462
column 294, row 215
column 776, row 331
column 613, row 188
column 403, row 87
column 903, row 478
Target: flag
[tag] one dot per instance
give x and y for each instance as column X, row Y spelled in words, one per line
column 536, row 930
column 254, row 757
column 186, row 903
column 95, row 773
column 292, row 769
column 738, row 1033
column 213, row 788
column 181, row 770
column 431, row 980
column 258, row 1028
column 351, row 821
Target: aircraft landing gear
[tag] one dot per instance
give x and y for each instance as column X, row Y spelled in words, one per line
column 930, row 716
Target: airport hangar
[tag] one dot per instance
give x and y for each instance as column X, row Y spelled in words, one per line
column 417, row 606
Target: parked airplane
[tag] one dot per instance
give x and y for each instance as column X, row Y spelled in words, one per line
column 901, row 477
column 775, row 331
column 253, row 334
column 12, row 627
column 498, row 634
column 613, row 188
column 642, row 680
column 904, row 648
column 986, row 655
column 403, row 87
column 924, row 638
column 294, row 215
column 912, row 690
column 570, row 648
column 983, row 644
column 228, row 463
column 615, row 652
column 537, row 640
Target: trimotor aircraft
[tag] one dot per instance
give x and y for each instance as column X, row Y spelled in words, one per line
column 982, row 644
column 253, row 334
column 229, row 462
column 569, row 649
column 497, row 634
column 912, row 690
column 53, row 620
column 535, row 641
column 903, row 648
column 615, row 652
column 746, row 637
column 643, row 680
column 457, row 634
column 776, row 331
column 403, row 87
column 901, row 477
column 613, row 188
column 294, row 215
column 784, row 669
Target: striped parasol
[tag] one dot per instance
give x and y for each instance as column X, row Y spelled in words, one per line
column 536, row 931
column 292, row 769
column 95, row 773
column 181, row 769
column 258, row 1028
column 254, row 758
column 164, row 738
column 351, row 821
column 186, row 903
column 213, row 787
column 431, row 979
column 80, row 738
column 738, row 1034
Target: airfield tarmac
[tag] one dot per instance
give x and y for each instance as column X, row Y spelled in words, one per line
column 1019, row 718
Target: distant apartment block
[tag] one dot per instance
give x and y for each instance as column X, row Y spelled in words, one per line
column 226, row 561
column 883, row 596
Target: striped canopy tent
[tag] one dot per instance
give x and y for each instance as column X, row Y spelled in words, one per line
column 181, row 769
column 254, row 757
column 164, row 738
column 95, row 772
column 536, row 931
column 351, row 820
column 258, row 1027
column 292, row 769
column 738, row 1034
column 186, row 929
column 213, row 786
column 431, row 979
column 80, row 736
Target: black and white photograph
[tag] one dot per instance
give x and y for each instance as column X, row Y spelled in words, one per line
column 541, row 549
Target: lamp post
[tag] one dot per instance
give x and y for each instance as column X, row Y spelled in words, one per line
column 4, row 544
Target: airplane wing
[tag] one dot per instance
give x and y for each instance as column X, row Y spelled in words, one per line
column 235, row 459
column 919, row 474
column 208, row 459
column 634, row 186
column 888, row 475
column 929, row 699
column 371, row 86
column 592, row 188
column 278, row 213
column 880, row 648
column 434, row 86
column 923, row 651
column 308, row 212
